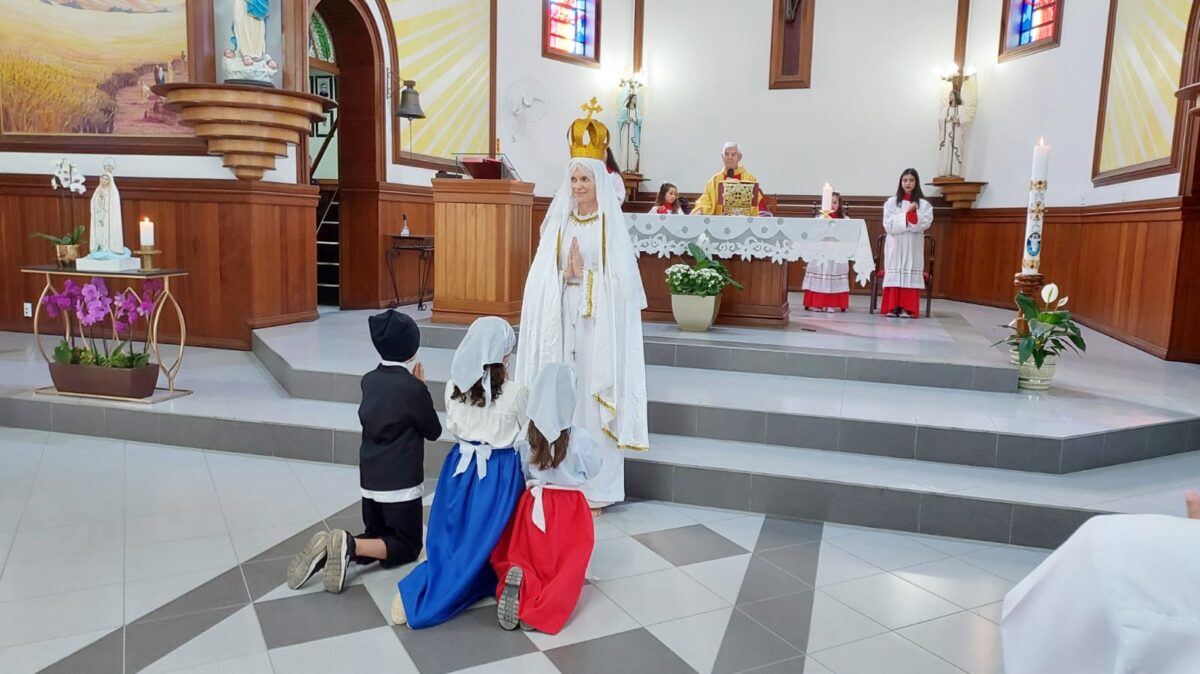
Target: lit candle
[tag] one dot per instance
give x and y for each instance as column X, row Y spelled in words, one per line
column 826, row 198
column 146, row 230
column 1041, row 160
column 1031, row 245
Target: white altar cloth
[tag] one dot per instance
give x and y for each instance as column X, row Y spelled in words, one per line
column 753, row 238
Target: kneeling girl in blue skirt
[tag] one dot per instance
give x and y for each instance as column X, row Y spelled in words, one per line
column 479, row 483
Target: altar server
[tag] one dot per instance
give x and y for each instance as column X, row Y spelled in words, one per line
column 906, row 216
column 1121, row 595
column 479, row 483
column 544, row 553
column 667, row 202
column 827, row 283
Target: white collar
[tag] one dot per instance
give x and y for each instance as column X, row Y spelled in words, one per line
column 392, row 363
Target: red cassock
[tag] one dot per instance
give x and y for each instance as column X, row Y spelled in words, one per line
column 554, row 561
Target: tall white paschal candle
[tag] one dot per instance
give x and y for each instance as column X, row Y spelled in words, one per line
column 146, row 233
column 1031, row 249
column 826, row 198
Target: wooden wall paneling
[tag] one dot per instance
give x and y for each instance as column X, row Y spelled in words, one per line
column 1184, row 343
column 396, row 201
column 249, row 249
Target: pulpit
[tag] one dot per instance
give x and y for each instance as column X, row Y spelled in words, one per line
column 484, row 248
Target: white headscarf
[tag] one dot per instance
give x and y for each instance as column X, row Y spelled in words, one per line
column 552, row 400
column 488, row 341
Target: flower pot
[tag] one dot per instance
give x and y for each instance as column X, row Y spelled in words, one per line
column 1031, row 377
column 113, row 382
column 67, row 254
column 695, row 313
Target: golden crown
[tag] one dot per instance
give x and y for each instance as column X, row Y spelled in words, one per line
column 591, row 129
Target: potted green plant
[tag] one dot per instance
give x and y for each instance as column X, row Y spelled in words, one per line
column 66, row 248
column 1039, row 336
column 696, row 289
column 93, row 361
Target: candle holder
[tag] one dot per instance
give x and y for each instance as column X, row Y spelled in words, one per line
column 828, row 215
column 147, row 254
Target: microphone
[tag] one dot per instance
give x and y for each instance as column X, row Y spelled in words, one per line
column 729, row 173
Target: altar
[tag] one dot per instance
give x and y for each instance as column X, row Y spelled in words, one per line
column 756, row 250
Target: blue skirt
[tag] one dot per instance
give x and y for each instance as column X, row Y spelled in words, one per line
column 465, row 523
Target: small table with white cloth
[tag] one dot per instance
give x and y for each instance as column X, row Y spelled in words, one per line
column 756, row 251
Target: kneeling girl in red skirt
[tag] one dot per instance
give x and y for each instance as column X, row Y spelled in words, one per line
column 543, row 555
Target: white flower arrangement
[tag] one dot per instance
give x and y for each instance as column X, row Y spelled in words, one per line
column 66, row 177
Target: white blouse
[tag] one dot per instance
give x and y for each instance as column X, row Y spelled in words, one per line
column 582, row 462
column 498, row 426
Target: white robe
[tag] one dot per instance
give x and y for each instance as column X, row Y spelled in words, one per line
column 1122, row 595
column 251, row 32
column 107, row 228
column 827, row 277
column 604, row 348
column 904, row 248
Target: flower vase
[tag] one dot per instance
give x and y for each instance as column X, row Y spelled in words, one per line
column 1033, row 378
column 695, row 313
column 67, row 254
column 105, row 382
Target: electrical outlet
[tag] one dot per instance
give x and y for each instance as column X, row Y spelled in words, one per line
column 28, row 310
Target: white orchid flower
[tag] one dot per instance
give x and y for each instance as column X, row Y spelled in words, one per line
column 703, row 242
column 53, row 183
column 1063, row 302
column 1050, row 293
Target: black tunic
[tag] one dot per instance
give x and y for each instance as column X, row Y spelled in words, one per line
column 397, row 417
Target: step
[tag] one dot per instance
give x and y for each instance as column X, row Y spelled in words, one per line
column 955, row 429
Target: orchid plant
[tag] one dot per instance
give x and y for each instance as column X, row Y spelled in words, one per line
column 706, row 278
column 67, row 182
column 92, row 306
column 1048, row 330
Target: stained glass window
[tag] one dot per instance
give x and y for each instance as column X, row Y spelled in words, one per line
column 572, row 30
column 1030, row 26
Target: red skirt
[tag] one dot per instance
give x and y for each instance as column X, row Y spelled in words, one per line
column 908, row 299
column 816, row 300
column 554, row 561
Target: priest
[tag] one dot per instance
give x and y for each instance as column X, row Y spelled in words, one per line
column 718, row 197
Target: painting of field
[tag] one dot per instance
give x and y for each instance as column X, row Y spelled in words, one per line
column 86, row 66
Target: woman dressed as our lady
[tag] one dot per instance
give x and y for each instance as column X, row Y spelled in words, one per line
column 582, row 307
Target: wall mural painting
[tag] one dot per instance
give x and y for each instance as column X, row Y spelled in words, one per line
column 86, row 66
column 1144, row 65
column 445, row 45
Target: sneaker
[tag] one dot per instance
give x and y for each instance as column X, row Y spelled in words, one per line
column 526, row 627
column 339, row 551
column 308, row 561
column 510, row 599
column 399, row 617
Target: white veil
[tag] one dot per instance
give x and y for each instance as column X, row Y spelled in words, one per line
column 620, row 388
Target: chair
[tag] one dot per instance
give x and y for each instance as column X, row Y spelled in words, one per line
column 877, row 277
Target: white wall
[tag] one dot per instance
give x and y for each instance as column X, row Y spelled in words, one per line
column 872, row 109
column 540, row 151
column 1053, row 93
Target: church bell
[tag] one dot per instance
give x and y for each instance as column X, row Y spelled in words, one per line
column 410, row 103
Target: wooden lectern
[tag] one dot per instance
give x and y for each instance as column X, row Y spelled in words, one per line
column 484, row 248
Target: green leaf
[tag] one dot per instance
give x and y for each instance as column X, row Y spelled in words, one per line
column 1024, row 348
column 56, row 240
column 63, row 353
column 1028, row 307
column 1077, row 340
column 1039, row 358
column 697, row 252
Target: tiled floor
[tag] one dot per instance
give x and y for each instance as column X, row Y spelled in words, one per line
column 130, row 557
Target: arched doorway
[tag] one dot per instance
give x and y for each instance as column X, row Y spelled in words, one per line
column 356, row 147
column 1189, row 185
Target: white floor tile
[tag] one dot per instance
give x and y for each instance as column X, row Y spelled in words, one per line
column 661, row 596
column 1010, row 563
column 258, row 663
column 595, row 616
column 363, row 652
column 966, row 640
column 886, row 550
column 623, row 557
column 61, row 574
column 643, row 517
column 992, row 612
column 723, row 577
column 741, row 530
column 298, row 511
column 69, row 541
column 38, row 655
column 703, row 515
column 884, row 653
column 890, row 601
column 175, row 557
column 174, row 526
column 697, row 639
column 961, row 583
column 60, row 615
column 234, row 637
column 838, row 566
column 530, row 663
column 149, row 499
column 144, row 596
column 834, row 624
column 72, row 513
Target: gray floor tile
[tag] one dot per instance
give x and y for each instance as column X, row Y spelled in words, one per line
column 816, row 366
column 764, row 580
column 807, row 432
column 309, row 617
column 672, row 419
column 779, row 533
column 346, row 445
column 702, row 357
column 963, row 518
column 799, row 665
column 1124, row 446
column 78, row 419
column 347, row 388
column 1082, row 453
column 1038, row 455
column 732, row 424
column 1167, row 439
column 880, row 370
column 748, row 645
column 940, row 375
column 103, row 656
column 26, row 414
column 878, row 439
column 1042, row 527
column 147, row 642
column 801, row 561
column 473, row 638
column 301, row 442
column 290, row 546
column 761, row 361
column 135, row 425
column 789, row 616
column 952, row 445
column 648, row 480
column 632, row 651
column 657, row 353
column 711, row 487
column 1001, row 380
column 189, row 431
column 689, row 545
column 226, row 590
column 262, row 577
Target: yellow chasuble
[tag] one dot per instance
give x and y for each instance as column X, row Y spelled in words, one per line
column 709, row 203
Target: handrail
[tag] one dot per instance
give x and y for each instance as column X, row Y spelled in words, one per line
column 324, row 146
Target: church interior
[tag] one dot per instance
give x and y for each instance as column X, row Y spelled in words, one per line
column 879, row 311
